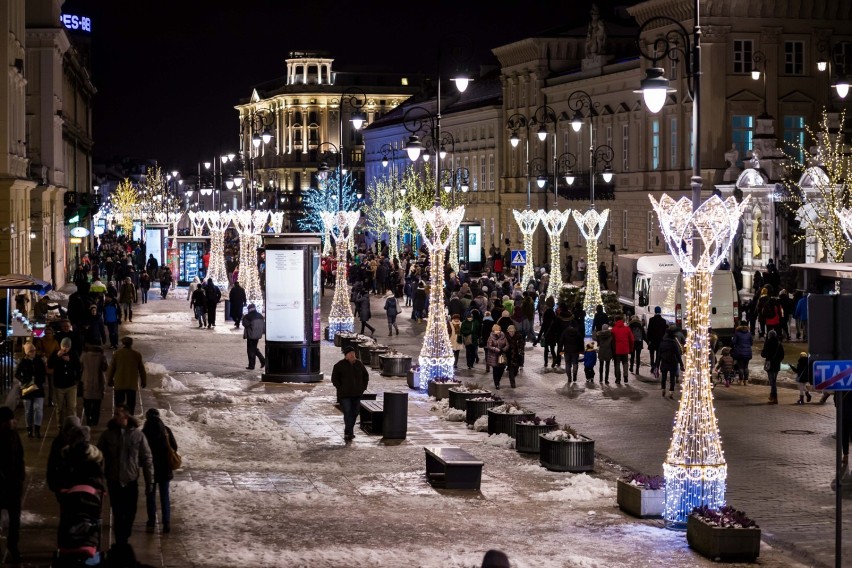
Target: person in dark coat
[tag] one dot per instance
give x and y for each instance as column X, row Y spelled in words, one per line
column 773, row 353
column 213, row 296
column 237, row 297
column 32, row 372
column 602, row 276
column 605, row 353
column 599, row 319
column 419, row 303
column 670, row 360
column 13, row 473
column 350, row 377
column 505, row 321
column 741, row 350
column 571, row 345
column 554, row 332
column 160, row 439
column 364, row 313
column 165, row 281
column 145, row 285
column 198, row 303
column 495, row 346
column 515, row 354
column 655, row 333
column 66, row 374
column 254, row 326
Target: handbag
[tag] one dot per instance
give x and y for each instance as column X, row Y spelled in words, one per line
column 175, row 459
column 766, row 365
column 502, row 360
column 29, row 388
column 468, row 339
column 459, row 339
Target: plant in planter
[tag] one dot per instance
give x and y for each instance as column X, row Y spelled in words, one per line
column 458, row 395
column 478, row 406
column 527, row 432
column 440, row 387
column 503, row 419
column 566, row 450
column 394, row 363
column 723, row 534
column 642, row 495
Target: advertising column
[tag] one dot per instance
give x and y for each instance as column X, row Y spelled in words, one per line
column 292, row 303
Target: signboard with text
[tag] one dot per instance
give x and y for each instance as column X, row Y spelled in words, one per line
column 285, row 295
column 832, row 375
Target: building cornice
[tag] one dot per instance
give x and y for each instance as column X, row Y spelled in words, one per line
column 681, row 10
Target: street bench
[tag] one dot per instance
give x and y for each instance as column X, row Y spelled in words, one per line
column 452, row 468
column 371, row 414
column 366, row 395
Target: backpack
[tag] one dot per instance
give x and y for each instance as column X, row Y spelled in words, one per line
column 768, row 310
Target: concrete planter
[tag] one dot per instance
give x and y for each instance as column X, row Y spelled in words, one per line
column 718, row 543
column 441, row 390
column 375, row 353
column 574, row 456
column 457, row 398
column 395, row 366
column 502, row 423
column 640, row 502
column 527, row 436
column 474, row 409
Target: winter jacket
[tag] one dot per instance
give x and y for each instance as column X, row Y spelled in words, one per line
column 773, row 351
column 638, row 331
column 364, row 313
column 600, row 319
column 656, row 331
column 725, row 364
column 12, row 469
column 471, row 327
column 126, row 370
column 801, row 312
column 94, row 365
column 604, row 339
column 392, row 307
column 237, row 297
column 670, row 354
column 213, row 294
column 496, row 345
column 32, row 371
column 66, row 369
column 159, row 436
column 350, row 379
column 515, row 351
column 775, row 318
column 198, row 298
column 127, row 294
column 803, row 371
column 742, row 344
column 454, row 331
column 253, row 325
column 125, row 452
column 112, row 312
column 554, row 331
column 622, row 338
column 419, row 299
column 547, row 318
column 571, row 340
column 590, row 358
column 505, row 322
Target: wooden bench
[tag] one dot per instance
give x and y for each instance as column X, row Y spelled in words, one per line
column 371, row 414
column 452, row 468
column 367, row 395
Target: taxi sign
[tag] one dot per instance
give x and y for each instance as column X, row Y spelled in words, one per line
column 832, row 375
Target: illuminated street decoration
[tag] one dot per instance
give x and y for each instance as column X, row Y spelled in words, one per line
column 591, row 224
column 527, row 221
column 393, row 219
column 554, row 222
column 695, row 467
column 276, row 221
column 197, row 221
column 341, row 318
column 217, row 222
column 249, row 224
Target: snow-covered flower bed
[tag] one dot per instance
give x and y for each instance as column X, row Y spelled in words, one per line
column 565, row 434
column 447, row 413
column 510, row 408
column 538, row 421
column 726, row 517
column 486, row 398
column 500, row 440
column 470, row 388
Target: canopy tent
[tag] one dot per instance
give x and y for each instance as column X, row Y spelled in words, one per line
column 22, row 282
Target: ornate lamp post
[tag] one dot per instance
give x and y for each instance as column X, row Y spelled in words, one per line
column 393, row 216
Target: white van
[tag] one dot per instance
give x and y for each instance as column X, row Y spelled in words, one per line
column 648, row 281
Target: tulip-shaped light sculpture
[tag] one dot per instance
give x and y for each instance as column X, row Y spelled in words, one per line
column 695, row 467
column 437, row 226
column 197, row 221
column 554, row 222
column 217, row 223
column 341, row 318
column 393, row 218
column 249, row 225
column 276, row 221
column 591, row 224
column 327, row 218
column 527, row 221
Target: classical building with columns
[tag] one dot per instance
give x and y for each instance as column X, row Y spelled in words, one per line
column 301, row 113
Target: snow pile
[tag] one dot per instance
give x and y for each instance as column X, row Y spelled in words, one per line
column 170, row 384
column 438, row 405
column 213, row 398
column 454, row 415
column 562, row 436
column 481, row 424
column 264, row 399
column 204, row 415
column 578, row 487
column 500, row 441
column 57, row 296
column 509, row 409
column 155, row 369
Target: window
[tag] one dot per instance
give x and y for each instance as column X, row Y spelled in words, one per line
column 625, row 147
column 649, row 244
column 490, row 172
column 609, row 233
column 481, row 172
column 673, row 143
column 794, row 136
column 624, row 229
column 565, row 141
column 743, row 52
column 742, row 135
column 609, row 136
column 673, row 63
column 794, row 57
column 655, row 144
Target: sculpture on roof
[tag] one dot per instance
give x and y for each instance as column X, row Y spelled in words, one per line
column 596, row 35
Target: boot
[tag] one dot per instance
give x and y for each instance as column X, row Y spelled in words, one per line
column 664, row 393
column 801, row 400
column 37, row 432
column 29, row 432
column 773, row 400
column 808, row 396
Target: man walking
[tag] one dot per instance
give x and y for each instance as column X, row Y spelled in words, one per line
column 126, row 371
column 213, row 296
column 350, row 377
column 125, row 451
column 237, row 297
column 253, row 327
column 127, row 297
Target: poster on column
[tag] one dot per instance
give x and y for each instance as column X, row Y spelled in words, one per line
column 474, row 243
column 285, row 295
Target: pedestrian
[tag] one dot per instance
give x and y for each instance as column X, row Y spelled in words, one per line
column 801, row 316
column 496, row 350
column 93, row 366
column 599, row 319
column 638, row 331
column 125, row 452
column 571, row 345
column 165, row 281
column 145, row 285
column 419, row 303
column 198, row 303
column 32, row 374
column 605, row 352
column 364, row 313
column 237, row 298
column 803, row 377
column 656, row 331
column 554, row 333
column 581, row 269
column 254, row 326
column 741, row 350
column 470, row 330
column 112, row 317
column 773, row 354
column 762, row 310
column 54, row 457
column 125, row 373
column 515, row 353
column 392, row 310
column 213, row 296
column 602, row 276
column 725, row 366
column 670, row 359
column 127, row 297
column 569, row 269
column 622, row 339
column 785, row 303
column 13, row 474
column 456, row 339
column 160, row 440
column 66, row 374
column 350, row 377
column 590, row 358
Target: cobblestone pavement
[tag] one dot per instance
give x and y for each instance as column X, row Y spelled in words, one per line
column 269, row 481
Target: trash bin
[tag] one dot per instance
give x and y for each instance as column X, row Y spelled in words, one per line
column 395, row 420
column 228, row 310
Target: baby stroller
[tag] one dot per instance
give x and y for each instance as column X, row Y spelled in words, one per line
column 79, row 536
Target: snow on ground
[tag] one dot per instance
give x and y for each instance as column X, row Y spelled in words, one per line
column 579, row 487
column 170, row 384
column 501, row 441
column 155, row 368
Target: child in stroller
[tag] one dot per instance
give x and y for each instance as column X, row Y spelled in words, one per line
column 725, row 367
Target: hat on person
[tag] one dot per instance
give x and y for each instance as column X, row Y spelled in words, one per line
column 605, row 327
column 152, row 412
column 252, row 307
column 6, row 414
column 348, row 349
column 65, row 343
column 658, row 310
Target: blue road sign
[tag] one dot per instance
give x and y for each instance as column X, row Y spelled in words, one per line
column 833, row 375
column 519, row 258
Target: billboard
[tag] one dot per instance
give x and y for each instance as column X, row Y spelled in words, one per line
column 285, row 295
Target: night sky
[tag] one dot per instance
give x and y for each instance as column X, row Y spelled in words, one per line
column 168, row 72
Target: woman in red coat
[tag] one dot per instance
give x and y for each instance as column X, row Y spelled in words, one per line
column 622, row 339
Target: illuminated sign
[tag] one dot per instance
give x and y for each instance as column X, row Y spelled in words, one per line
column 79, row 232
column 76, row 23
column 76, row 240
column 285, row 295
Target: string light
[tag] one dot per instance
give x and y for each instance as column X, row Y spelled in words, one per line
column 527, row 221
column 276, row 221
column 340, row 317
column 554, row 222
column 393, row 219
column 217, row 222
column 197, row 220
column 249, row 224
column 695, row 467
column 436, row 225
column 591, row 224
column 454, row 252
column 327, row 218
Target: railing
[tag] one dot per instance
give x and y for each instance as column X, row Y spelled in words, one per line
column 7, row 364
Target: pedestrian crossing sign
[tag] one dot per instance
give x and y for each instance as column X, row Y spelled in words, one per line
column 519, row 258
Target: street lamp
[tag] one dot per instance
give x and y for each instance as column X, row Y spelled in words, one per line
column 837, row 55
column 698, row 236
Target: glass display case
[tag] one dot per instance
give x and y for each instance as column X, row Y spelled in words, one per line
column 191, row 253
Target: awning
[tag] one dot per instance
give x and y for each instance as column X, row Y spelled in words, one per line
column 22, row 282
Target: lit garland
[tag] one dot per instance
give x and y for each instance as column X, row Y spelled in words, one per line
column 276, row 221
column 436, row 226
column 393, row 219
column 124, row 202
column 454, row 252
column 248, row 225
column 591, row 224
column 352, row 221
column 340, row 317
column 527, row 221
column 695, row 467
column 327, row 218
column 197, row 220
column 217, row 222
column 554, row 222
